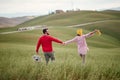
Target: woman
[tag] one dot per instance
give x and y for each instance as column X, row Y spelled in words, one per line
column 80, row 39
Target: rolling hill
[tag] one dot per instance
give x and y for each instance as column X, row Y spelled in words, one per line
column 80, row 17
column 72, row 18
column 116, row 9
column 11, row 22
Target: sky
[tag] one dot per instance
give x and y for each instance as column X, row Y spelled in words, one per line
column 14, row 8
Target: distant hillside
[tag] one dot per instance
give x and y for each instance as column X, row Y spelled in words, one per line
column 80, row 17
column 10, row 22
column 117, row 9
column 72, row 18
column 111, row 9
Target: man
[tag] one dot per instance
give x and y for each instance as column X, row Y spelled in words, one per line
column 46, row 41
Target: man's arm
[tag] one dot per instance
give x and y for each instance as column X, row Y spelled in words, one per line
column 38, row 45
column 56, row 40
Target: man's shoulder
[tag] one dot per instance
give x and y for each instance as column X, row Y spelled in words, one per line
column 49, row 36
column 42, row 36
column 46, row 36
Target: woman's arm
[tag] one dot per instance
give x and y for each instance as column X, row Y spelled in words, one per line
column 91, row 33
column 72, row 40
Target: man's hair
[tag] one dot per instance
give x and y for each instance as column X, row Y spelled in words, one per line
column 45, row 30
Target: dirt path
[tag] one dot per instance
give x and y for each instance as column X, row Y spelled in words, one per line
column 84, row 24
column 13, row 32
column 67, row 26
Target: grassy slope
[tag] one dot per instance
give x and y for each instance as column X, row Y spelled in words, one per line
column 102, row 63
column 72, row 18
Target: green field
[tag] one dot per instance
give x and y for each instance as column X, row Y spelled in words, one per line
column 102, row 60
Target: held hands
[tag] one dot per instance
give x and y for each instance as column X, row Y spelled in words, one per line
column 63, row 44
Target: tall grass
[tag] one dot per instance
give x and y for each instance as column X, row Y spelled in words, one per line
column 16, row 63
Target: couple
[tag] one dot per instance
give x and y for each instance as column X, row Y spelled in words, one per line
column 46, row 41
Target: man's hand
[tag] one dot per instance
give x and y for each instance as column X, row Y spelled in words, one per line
column 37, row 53
column 63, row 43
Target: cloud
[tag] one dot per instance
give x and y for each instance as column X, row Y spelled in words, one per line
column 32, row 6
column 44, row 6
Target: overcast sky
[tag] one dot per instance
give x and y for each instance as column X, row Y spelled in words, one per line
column 11, row 8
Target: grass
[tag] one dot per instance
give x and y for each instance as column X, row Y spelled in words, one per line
column 72, row 18
column 16, row 51
column 17, row 64
column 102, row 61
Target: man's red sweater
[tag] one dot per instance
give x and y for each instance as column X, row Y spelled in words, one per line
column 46, row 42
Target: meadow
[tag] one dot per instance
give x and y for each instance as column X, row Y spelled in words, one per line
column 102, row 60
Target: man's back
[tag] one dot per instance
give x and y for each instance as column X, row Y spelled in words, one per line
column 46, row 42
